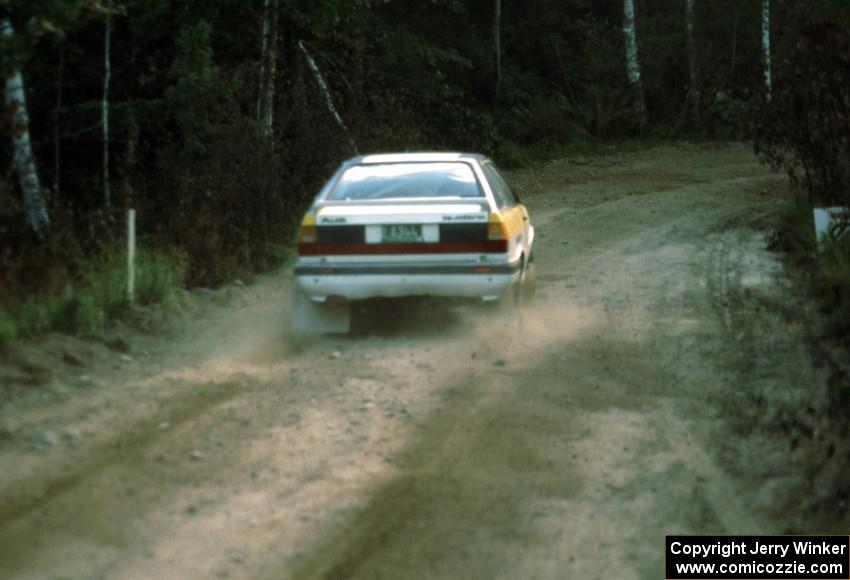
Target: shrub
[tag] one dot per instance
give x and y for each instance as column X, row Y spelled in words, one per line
column 89, row 313
column 159, row 276
column 8, row 330
column 510, row 155
column 795, row 235
column 729, row 116
column 805, row 128
column 35, row 316
column 98, row 292
column 831, row 284
column 541, row 120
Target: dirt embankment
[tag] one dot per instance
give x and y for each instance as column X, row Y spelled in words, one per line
column 661, row 384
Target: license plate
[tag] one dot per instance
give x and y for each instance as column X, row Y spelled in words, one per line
column 401, row 234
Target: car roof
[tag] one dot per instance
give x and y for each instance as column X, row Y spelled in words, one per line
column 415, row 157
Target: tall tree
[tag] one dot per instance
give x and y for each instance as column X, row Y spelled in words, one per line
column 734, row 57
column 34, row 205
column 765, row 46
column 693, row 74
column 268, row 68
column 497, row 46
column 633, row 64
column 104, row 122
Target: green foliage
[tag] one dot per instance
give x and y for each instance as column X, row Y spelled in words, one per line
column 201, row 99
column 102, row 291
column 89, row 316
column 510, row 155
column 729, row 116
column 99, row 293
column 8, row 329
column 826, row 269
column 827, row 264
column 602, row 79
column 539, row 119
column 229, row 204
column 805, row 128
column 37, row 314
column 831, row 285
column 664, row 63
column 219, row 171
column 159, row 277
column 795, row 235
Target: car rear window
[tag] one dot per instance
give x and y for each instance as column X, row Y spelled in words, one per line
column 406, row 180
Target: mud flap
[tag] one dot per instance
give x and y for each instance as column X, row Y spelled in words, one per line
column 310, row 317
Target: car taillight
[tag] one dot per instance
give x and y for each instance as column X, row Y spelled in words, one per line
column 307, row 233
column 496, row 229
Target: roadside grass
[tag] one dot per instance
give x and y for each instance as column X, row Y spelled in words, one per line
column 825, row 269
column 795, row 234
column 96, row 293
column 826, row 266
column 831, row 285
column 8, row 329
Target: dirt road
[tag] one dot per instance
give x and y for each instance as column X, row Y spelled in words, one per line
column 649, row 394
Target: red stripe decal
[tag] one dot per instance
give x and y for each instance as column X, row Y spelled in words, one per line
column 483, row 247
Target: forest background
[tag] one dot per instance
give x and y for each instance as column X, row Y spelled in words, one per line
column 217, row 120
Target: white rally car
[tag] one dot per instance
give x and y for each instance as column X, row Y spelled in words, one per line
column 410, row 224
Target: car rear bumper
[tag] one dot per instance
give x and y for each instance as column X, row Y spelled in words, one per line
column 363, row 281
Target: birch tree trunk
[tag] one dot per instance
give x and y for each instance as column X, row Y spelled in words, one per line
column 35, row 210
column 268, row 68
column 497, row 46
column 693, row 73
column 632, row 63
column 765, row 46
column 107, row 73
column 323, row 87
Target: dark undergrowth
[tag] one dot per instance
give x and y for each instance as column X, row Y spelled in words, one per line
column 823, row 266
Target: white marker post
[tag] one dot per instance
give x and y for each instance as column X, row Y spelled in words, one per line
column 131, row 255
column 831, row 222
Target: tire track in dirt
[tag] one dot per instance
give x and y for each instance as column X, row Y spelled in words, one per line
column 34, row 496
column 458, row 478
column 22, row 497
